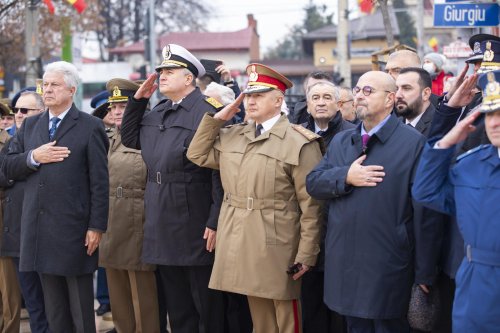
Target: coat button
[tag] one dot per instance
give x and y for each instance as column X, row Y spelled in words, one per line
column 41, row 212
column 7, row 199
column 41, row 184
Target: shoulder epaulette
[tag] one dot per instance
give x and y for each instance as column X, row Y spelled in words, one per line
column 237, row 124
column 471, row 151
column 311, row 136
column 215, row 103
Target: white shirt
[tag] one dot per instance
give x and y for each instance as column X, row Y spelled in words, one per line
column 268, row 124
column 317, row 128
column 415, row 121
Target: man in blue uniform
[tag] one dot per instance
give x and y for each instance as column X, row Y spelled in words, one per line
column 471, row 191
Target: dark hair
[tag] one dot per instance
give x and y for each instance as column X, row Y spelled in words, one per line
column 319, row 75
column 424, row 78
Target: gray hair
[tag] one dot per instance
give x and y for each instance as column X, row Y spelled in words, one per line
column 38, row 99
column 69, row 72
column 335, row 90
column 188, row 72
column 226, row 94
column 348, row 91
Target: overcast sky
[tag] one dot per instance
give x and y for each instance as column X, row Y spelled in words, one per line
column 274, row 17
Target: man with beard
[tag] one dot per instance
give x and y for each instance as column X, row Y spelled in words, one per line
column 414, row 106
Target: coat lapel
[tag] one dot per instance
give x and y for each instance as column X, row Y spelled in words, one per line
column 42, row 127
column 67, row 123
column 424, row 124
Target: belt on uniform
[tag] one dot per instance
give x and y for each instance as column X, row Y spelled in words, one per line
column 250, row 203
column 177, row 177
column 485, row 257
column 121, row 192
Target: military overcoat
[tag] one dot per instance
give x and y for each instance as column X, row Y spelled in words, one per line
column 121, row 245
column 267, row 221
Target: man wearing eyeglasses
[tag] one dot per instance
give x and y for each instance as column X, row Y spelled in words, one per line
column 346, row 105
column 27, row 103
column 366, row 177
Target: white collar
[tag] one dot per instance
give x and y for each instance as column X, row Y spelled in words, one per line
column 61, row 116
column 415, row 121
column 268, row 124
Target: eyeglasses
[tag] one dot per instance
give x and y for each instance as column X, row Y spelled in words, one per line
column 367, row 90
column 23, row 110
column 346, row 101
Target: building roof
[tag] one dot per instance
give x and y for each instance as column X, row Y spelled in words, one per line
column 197, row 41
column 367, row 26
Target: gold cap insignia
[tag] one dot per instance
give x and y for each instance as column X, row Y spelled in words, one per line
column 493, row 87
column 488, row 53
column 39, row 89
column 117, row 92
column 253, row 75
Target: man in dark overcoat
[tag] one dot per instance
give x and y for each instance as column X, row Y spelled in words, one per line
column 366, row 176
column 62, row 154
column 181, row 215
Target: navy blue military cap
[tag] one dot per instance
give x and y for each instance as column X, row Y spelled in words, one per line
column 100, row 104
column 18, row 94
column 475, row 45
column 490, row 87
column 491, row 56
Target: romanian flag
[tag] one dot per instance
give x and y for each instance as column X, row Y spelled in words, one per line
column 433, row 43
column 50, row 6
column 79, row 5
column 366, row 6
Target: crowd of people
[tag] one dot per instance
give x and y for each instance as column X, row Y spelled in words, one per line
column 371, row 209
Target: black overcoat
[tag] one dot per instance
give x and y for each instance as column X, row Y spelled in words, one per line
column 369, row 258
column 178, row 199
column 62, row 201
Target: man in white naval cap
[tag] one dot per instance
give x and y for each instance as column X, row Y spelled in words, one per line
column 182, row 200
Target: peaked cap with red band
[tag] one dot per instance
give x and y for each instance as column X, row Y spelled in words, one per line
column 262, row 78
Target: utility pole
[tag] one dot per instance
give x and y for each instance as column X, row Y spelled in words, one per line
column 152, row 46
column 32, row 46
column 420, row 28
column 387, row 22
column 343, row 64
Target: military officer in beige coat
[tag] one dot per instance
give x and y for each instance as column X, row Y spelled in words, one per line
column 268, row 222
column 132, row 284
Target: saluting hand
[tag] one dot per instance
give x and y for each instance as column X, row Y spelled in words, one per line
column 92, row 240
column 465, row 93
column 230, row 110
column 460, row 132
column 360, row 175
column 147, row 88
column 224, row 72
column 210, row 236
column 458, row 82
column 50, row 153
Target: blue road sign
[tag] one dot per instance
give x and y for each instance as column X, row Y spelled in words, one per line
column 466, row 15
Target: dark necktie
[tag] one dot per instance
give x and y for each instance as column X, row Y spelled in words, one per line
column 52, row 131
column 259, row 130
column 365, row 138
column 321, row 133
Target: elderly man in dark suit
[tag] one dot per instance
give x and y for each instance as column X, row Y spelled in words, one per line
column 366, row 176
column 62, row 155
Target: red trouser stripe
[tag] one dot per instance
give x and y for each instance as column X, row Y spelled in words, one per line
column 296, row 315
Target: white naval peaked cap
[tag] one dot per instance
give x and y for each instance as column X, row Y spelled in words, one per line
column 175, row 56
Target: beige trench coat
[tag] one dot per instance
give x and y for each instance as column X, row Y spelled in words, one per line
column 267, row 221
column 121, row 245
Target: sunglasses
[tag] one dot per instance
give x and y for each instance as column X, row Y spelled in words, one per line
column 23, row 110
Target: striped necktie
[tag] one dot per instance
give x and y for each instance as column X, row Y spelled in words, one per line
column 52, row 131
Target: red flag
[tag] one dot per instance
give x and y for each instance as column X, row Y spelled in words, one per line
column 50, row 6
column 366, row 6
column 79, row 5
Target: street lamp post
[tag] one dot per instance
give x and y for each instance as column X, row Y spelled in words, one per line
column 32, row 46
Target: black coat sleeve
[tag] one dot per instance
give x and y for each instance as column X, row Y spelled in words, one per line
column 131, row 123
column 15, row 164
column 4, row 181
